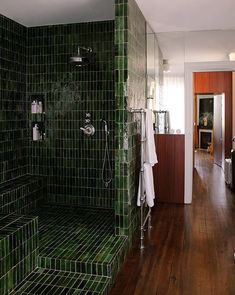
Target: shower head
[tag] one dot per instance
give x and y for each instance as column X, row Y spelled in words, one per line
column 79, row 60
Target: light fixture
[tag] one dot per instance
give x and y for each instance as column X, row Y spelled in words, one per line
column 166, row 66
column 231, row 56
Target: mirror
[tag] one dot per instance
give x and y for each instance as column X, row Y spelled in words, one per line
column 153, row 69
column 172, row 46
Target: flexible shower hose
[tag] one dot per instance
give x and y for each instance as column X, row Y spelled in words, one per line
column 106, row 159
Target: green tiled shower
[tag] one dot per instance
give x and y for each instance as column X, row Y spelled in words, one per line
column 71, row 161
column 69, row 230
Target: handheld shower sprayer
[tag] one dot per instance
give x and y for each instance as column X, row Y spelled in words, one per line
column 105, row 126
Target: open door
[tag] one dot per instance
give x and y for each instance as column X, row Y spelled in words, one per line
column 219, row 130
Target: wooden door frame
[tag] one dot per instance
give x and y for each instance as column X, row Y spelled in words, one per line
column 190, row 68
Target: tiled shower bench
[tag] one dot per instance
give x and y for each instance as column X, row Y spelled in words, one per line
column 78, row 253
column 18, row 233
column 18, row 249
column 62, row 250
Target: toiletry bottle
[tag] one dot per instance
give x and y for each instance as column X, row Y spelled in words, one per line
column 36, row 134
column 39, row 107
column 34, row 107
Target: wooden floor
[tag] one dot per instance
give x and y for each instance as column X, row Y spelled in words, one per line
column 190, row 249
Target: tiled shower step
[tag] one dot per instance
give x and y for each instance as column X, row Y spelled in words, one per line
column 52, row 282
column 21, row 194
column 100, row 261
column 79, row 240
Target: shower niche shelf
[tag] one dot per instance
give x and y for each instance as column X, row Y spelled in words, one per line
column 37, row 118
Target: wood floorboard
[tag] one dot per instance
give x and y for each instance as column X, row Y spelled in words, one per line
column 190, row 248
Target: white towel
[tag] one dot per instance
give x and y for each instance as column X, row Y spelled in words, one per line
column 148, row 186
column 150, row 156
column 150, row 159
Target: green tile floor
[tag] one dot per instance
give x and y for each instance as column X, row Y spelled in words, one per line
column 80, row 240
column 48, row 282
column 77, row 245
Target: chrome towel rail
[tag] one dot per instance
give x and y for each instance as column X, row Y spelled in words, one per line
column 143, row 203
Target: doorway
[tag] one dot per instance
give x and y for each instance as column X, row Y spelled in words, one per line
column 190, row 69
column 209, row 126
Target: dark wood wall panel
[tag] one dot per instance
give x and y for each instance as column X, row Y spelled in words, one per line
column 218, row 82
column 169, row 172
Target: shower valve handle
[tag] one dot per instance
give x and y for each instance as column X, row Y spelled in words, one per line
column 88, row 129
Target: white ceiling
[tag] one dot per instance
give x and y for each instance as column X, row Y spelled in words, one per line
column 192, row 30
column 162, row 15
column 198, row 46
column 188, row 15
column 47, row 12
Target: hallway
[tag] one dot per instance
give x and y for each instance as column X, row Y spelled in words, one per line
column 190, row 250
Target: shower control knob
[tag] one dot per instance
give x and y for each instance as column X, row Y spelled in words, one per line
column 88, row 115
column 88, row 129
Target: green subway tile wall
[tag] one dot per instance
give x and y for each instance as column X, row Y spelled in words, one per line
column 72, row 161
column 130, row 91
column 13, row 117
column 137, row 93
column 22, row 194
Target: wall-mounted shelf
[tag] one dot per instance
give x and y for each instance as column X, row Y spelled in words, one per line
column 37, row 117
